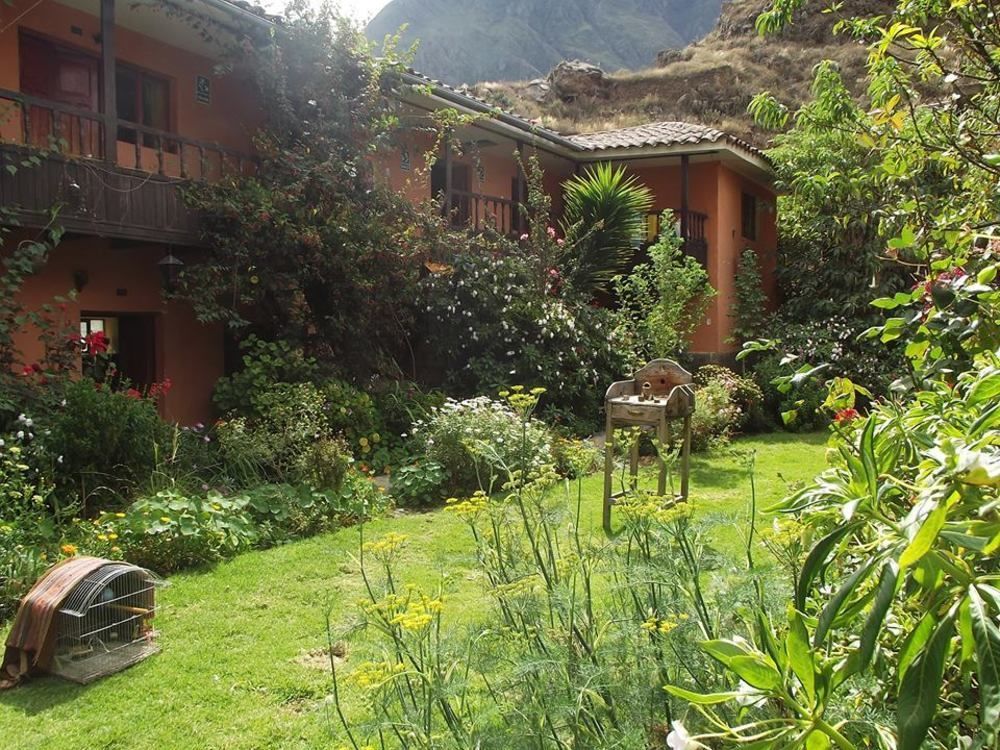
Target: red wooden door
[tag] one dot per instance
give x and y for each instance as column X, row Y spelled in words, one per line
column 63, row 76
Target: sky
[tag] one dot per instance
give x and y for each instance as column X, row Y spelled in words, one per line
column 362, row 10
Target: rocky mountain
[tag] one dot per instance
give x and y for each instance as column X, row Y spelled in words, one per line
column 710, row 81
column 464, row 41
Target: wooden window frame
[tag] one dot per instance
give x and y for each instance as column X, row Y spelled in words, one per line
column 140, row 73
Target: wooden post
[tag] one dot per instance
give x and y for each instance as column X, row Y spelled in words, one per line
column 685, row 194
column 108, row 96
column 448, row 198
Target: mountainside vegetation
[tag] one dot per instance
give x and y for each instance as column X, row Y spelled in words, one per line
column 711, row 81
column 481, row 40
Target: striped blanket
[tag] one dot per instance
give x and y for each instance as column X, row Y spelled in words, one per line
column 32, row 636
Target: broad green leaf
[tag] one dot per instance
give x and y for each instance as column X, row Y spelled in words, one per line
column 817, row 740
column 723, row 651
column 988, row 658
column 756, row 671
column 816, row 561
column 832, row 608
column 708, row 699
column 800, row 656
column 876, row 616
column 925, row 537
column 920, row 687
column 914, row 643
column 986, row 387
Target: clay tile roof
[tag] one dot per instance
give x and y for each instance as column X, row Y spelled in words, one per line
column 658, row 134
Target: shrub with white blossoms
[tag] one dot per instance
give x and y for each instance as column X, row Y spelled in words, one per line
column 491, row 321
column 476, row 440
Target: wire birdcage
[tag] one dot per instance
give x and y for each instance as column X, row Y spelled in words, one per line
column 105, row 623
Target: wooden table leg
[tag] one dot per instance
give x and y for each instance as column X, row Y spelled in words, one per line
column 664, row 438
column 633, row 461
column 609, row 451
column 686, row 458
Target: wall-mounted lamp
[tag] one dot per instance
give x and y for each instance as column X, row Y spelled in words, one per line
column 170, row 269
column 80, row 279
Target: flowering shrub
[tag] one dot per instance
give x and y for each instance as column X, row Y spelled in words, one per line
column 102, row 444
column 492, row 322
column 715, row 416
column 836, row 341
column 478, row 439
column 581, row 635
column 744, row 395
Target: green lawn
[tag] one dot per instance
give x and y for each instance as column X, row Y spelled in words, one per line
column 235, row 670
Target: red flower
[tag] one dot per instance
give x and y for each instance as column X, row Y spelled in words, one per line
column 32, row 369
column 160, row 389
column 133, row 393
column 846, row 416
column 96, row 343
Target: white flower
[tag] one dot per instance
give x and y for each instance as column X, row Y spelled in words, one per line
column 679, row 739
column 749, row 696
column 20, row 435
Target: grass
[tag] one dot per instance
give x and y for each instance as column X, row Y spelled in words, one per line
column 243, row 663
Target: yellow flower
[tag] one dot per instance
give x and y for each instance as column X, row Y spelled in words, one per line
column 364, row 442
column 112, row 537
column 68, row 549
column 102, row 537
column 165, row 519
column 119, row 515
column 386, row 546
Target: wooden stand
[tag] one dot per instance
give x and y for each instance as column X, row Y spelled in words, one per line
column 659, row 395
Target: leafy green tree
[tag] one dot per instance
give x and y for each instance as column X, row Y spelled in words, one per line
column 663, row 300
column 892, row 638
column 310, row 249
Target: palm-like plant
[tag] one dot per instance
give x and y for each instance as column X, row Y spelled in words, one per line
column 605, row 214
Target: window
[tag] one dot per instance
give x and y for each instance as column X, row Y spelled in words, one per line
column 749, row 214
column 144, row 99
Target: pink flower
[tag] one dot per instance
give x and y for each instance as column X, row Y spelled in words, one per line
column 552, row 232
column 524, row 237
column 560, row 242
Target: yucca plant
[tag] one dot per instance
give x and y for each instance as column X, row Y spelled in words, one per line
column 605, row 213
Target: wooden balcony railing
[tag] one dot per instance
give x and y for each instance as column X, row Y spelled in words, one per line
column 692, row 232
column 74, row 131
column 133, row 195
column 477, row 211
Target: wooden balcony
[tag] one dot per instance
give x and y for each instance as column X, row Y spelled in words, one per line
column 53, row 154
column 478, row 212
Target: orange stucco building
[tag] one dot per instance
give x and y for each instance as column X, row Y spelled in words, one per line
column 720, row 188
column 127, row 102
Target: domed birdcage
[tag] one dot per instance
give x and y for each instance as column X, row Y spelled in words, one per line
column 84, row 619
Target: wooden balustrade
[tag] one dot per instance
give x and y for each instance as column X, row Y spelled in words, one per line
column 132, row 195
column 692, row 231
column 74, row 131
column 477, row 211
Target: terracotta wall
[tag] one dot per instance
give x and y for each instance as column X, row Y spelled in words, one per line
column 732, row 243
column 703, row 197
column 126, row 280
column 229, row 119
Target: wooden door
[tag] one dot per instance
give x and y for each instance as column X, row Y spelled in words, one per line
column 63, row 76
